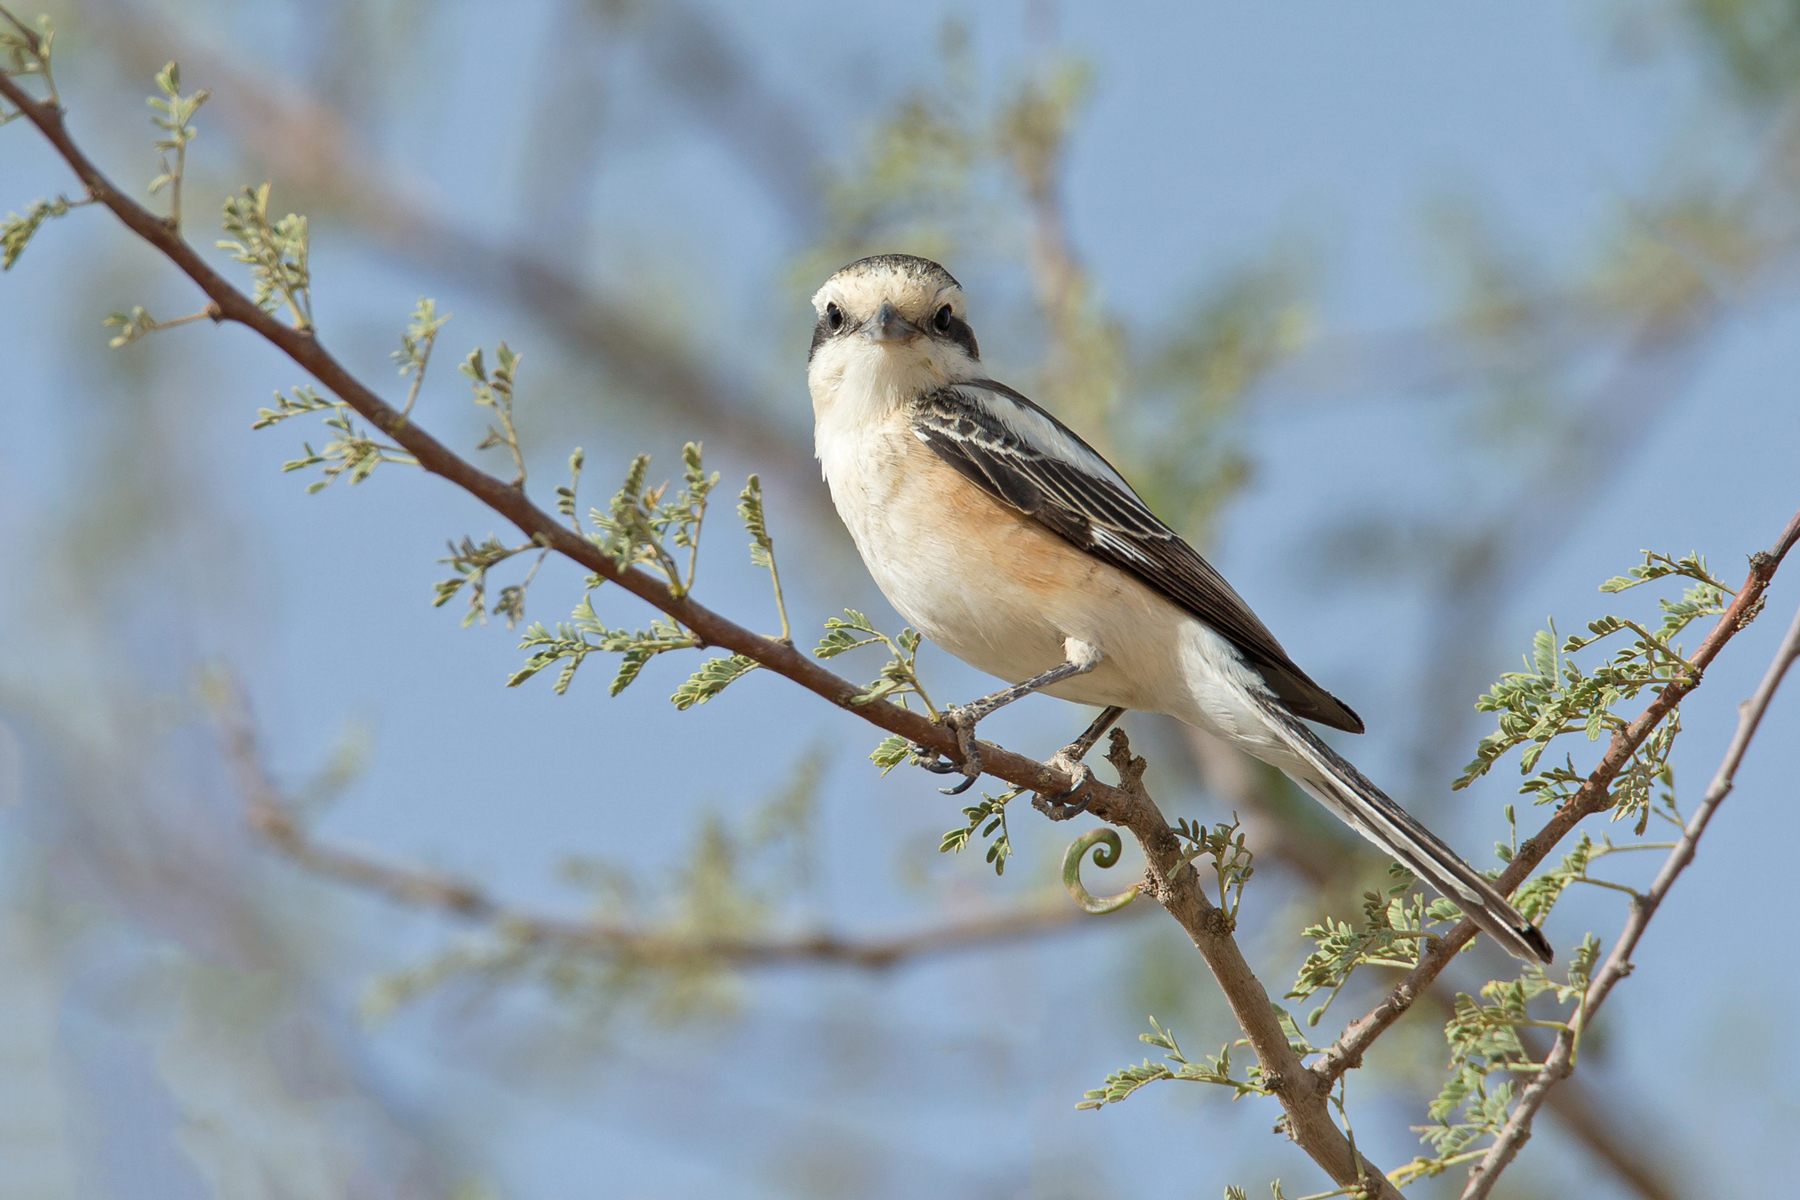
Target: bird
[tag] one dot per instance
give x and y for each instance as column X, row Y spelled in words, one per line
column 1008, row 541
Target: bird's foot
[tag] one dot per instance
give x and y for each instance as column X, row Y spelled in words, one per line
column 959, row 722
column 1060, row 806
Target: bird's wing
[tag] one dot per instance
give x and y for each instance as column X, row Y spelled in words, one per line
column 1026, row 458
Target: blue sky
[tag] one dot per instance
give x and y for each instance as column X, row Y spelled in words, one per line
column 1212, row 131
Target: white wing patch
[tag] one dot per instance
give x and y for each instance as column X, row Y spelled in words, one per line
column 1123, row 547
column 1041, row 433
column 1013, row 435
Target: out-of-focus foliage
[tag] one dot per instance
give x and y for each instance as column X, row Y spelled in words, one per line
column 669, row 955
column 973, row 172
column 1756, row 44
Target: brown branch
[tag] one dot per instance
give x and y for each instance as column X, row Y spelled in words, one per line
column 1482, row 568
column 1660, row 351
column 305, row 349
column 271, row 815
column 1663, row 332
column 1324, row 860
column 1172, row 881
column 651, row 947
column 1175, row 885
column 1643, row 907
column 303, row 139
column 1592, row 797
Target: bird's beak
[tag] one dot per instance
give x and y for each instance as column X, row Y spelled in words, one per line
column 889, row 326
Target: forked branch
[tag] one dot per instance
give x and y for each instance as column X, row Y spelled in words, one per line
column 1594, row 796
column 1305, row 1094
column 1561, row 1061
column 1173, row 882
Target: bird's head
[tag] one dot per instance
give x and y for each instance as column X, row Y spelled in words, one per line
column 900, row 321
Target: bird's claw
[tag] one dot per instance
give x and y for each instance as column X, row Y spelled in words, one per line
column 1054, row 806
column 967, row 751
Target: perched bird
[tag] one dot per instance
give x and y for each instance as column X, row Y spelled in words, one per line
column 1010, row 542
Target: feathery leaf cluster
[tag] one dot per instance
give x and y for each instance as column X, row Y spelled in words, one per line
column 992, row 812
column 277, row 253
column 17, row 231
column 1484, row 1042
column 352, row 450
column 1555, row 696
column 175, row 115
column 1233, row 863
column 1213, row 1069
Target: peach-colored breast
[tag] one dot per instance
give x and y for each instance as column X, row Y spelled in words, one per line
column 994, row 587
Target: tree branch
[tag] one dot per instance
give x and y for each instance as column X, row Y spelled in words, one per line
column 305, row 349
column 1175, row 884
column 1592, row 797
column 1324, row 861
column 272, row 816
column 300, row 137
column 1618, row 964
column 1663, row 333
column 1169, row 878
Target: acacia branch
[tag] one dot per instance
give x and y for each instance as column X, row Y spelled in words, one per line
column 1323, row 857
column 305, row 348
column 1618, row 964
column 1594, row 796
column 1662, row 345
column 1170, row 878
column 298, row 136
column 1174, row 883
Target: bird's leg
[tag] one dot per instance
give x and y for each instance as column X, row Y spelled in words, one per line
column 962, row 718
column 1077, row 750
column 1068, row 759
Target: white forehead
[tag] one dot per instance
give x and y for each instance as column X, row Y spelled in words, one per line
column 910, row 285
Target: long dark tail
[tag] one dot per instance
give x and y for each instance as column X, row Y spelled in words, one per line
column 1339, row 786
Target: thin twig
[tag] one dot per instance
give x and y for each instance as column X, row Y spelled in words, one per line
column 1323, row 857
column 35, row 45
column 1661, row 349
column 1304, row 1094
column 1174, row 884
column 787, row 633
column 423, row 361
column 205, row 314
column 1592, row 797
column 1618, row 964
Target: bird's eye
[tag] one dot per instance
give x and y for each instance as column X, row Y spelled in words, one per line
column 942, row 321
column 834, row 317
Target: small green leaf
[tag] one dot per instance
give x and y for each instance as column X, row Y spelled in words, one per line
column 892, row 751
column 17, row 231
column 711, row 679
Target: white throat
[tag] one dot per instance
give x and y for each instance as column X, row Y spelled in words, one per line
column 856, row 384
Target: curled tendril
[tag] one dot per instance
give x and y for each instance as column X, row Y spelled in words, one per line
column 1106, row 847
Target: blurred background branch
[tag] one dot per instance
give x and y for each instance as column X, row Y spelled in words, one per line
column 1384, row 470
column 274, row 818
